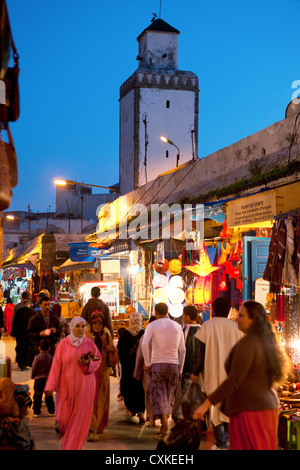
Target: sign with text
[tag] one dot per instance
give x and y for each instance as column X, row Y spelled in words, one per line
column 251, row 210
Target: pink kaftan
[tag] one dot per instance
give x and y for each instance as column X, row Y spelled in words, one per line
column 75, row 387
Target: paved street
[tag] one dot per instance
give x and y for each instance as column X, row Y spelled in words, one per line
column 122, row 432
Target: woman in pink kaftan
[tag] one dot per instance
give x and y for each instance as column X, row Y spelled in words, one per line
column 73, row 378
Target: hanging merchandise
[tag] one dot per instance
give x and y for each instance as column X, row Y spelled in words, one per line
column 201, row 293
column 175, row 281
column 175, row 266
column 222, row 286
column 161, row 268
column 203, row 268
column 176, row 310
column 289, row 276
column 226, row 232
column 225, row 252
column 160, row 253
column 282, row 268
column 160, row 295
column 160, row 280
column 176, row 296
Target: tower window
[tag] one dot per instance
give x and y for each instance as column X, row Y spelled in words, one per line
column 167, row 104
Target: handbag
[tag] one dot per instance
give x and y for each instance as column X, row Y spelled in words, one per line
column 112, row 353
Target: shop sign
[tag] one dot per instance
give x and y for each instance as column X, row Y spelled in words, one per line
column 251, row 210
column 84, row 252
column 119, row 246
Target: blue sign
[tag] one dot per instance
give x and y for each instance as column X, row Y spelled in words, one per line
column 84, row 252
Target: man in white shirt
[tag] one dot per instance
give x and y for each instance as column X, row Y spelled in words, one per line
column 165, row 363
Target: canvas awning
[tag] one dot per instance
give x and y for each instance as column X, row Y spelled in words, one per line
column 24, row 256
column 76, row 266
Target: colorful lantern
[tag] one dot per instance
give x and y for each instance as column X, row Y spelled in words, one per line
column 201, row 294
column 175, row 266
column 161, row 268
column 204, row 268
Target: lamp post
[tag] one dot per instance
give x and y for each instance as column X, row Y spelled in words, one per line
column 168, row 141
column 30, row 221
column 61, row 182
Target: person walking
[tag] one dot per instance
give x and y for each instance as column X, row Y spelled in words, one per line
column 8, row 315
column 40, row 371
column 19, row 331
column 189, row 318
column 103, row 340
column 131, row 389
column 95, row 304
column 165, row 363
column 255, row 365
column 217, row 337
column 44, row 324
column 139, row 373
column 72, row 377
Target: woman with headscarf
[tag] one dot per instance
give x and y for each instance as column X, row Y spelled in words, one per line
column 103, row 340
column 131, row 389
column 72, row 376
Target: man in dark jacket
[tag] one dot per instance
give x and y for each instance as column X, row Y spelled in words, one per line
column 94, row 304
column 24, row 345
column 44, row 324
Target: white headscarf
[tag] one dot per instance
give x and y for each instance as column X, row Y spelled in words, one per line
column 74, row 339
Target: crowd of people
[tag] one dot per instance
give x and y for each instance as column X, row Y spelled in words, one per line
column 239, row 364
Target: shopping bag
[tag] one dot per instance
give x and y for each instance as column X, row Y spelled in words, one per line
column 192, row 399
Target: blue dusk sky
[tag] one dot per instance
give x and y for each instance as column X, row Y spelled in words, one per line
column 75, row 55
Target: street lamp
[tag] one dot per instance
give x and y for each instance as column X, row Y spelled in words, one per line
column 168, row 141
column 14, row 217
column 61, row 182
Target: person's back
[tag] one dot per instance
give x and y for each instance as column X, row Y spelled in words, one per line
column 95, row 304
column 165, row 341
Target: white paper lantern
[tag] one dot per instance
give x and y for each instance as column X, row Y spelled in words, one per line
column 176, row 310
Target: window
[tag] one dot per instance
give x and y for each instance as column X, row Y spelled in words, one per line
column 167, row 104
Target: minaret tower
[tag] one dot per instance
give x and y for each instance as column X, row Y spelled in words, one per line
column 157, row 100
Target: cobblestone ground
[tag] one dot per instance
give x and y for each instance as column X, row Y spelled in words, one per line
column 122, row 433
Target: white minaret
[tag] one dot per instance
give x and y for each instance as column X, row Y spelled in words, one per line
column 157, row 100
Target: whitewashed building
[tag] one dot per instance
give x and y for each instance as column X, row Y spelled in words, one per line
column 157, row 100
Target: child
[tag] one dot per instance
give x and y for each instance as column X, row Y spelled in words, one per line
column 40, row 370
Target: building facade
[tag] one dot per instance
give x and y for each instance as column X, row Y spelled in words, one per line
column 157, row 100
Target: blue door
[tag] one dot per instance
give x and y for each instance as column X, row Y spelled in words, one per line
column 255, row 257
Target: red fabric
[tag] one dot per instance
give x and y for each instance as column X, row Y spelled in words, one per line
column 254, row 430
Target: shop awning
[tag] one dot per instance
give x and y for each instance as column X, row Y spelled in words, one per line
column 25, row 256
column 76, row 266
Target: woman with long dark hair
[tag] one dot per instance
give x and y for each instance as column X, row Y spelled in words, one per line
column 255, row 366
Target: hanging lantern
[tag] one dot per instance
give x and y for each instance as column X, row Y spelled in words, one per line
column 201, row 294
column 160, row 295
column 176, row 310
column 175, row 281
column 175, row 266
column 161, row 268
column 176, row 296
column 204, row 268
column 160, row 280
